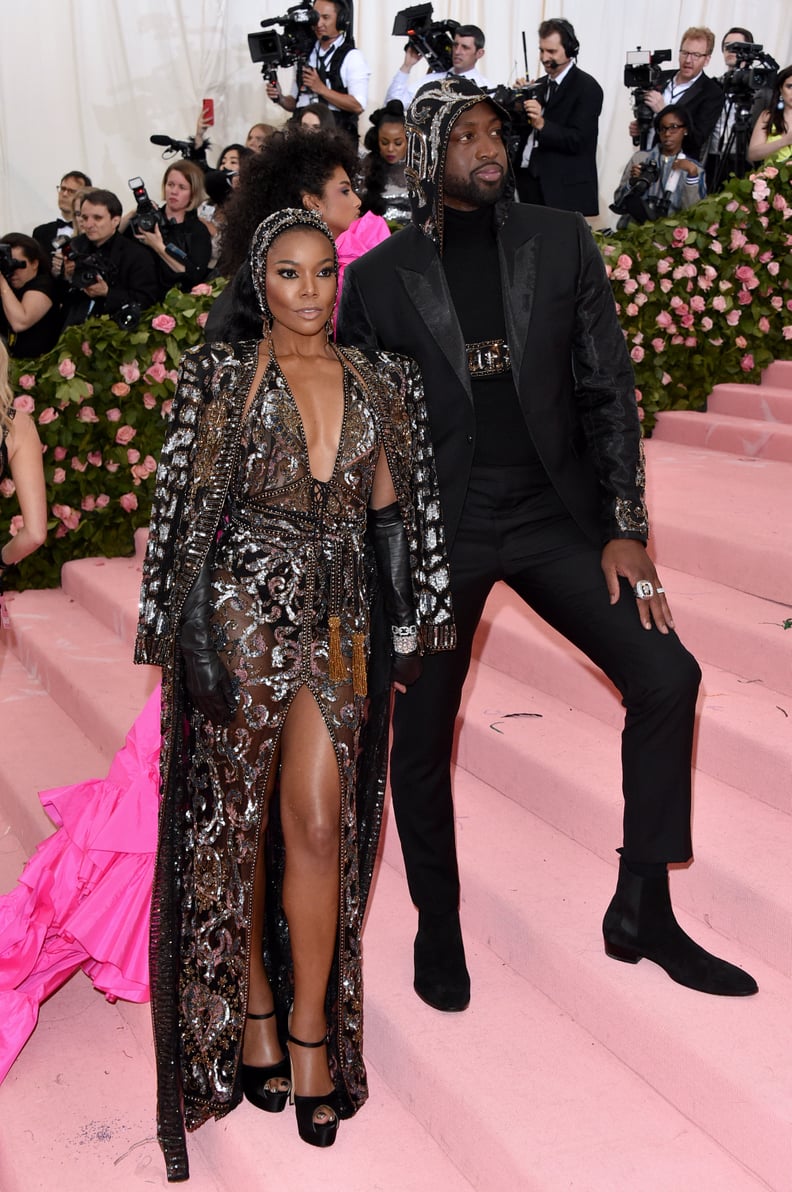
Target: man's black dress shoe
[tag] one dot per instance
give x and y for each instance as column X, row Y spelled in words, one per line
column 441, row 976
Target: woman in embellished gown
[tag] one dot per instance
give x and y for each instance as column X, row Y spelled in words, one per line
column 296, row 481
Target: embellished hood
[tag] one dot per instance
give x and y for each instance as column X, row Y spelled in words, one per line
column 430, row 118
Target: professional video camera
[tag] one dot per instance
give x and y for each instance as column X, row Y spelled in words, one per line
column 754, row 69
column 513, row 98
column 642, row 73
column 88, row 268
column 433, row 39
column 8, row 264
column 292, row 46
column 148, row 215
column 634, row 201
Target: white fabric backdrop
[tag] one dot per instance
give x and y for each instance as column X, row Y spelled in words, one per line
column 84, row 83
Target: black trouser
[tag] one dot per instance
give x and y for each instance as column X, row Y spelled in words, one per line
column 524, row 536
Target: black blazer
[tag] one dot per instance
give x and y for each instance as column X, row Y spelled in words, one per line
column 566, row 151
column 704, row 101
column 569, row 361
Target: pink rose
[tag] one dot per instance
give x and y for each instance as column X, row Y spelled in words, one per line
column 167, row 406
column 741, row 341
column 697, row 303
column 637, row 354
column 733, row 317
column 747, row 362
column 70, row 517
column 664, row 264
column 744, row 298
column 111, row 465
column 102, row 501
column 201, row 288
column 630, row 286
column 680, row 235
column 130, row 372
column 58, row 476
column 156, row 373
column 124, row 435
column 158, row 356
column 632, row 310
column 86, row 348
column 138, row 473
column 665, row 379
column 113, row 415
column 88, row 503
column 690, row 253
column 642, row 299
column 89, row 389
column 7, row 487
column 95, row 458
column 202, row 318
column 762, row 207
column 752, row 251
column 706, row 323
column 150, row 463
column 133, row 455
column 77, row 464
column 24, row 403
column 677, row 304
column 787, row 331
column 746, row 275
column 779, row 202
column 677, row 339
column 643, row 278
column 764, row 325
column 47, row 416
column 16, row 524
column 717, row 247
column 760, row 189
column 172, row 375
column 27, row 381
column 738, row 239
column 713, row 229
column 59, row 453
column 732, row 206
column 770, row 172
column 624, row 261
column 777, row 302
column 772, row 268
column 690, row 341
column 658, row 344
column 87, row 414
column 120, row 389
column 640, row 414
column 664, row 319
column 666, row 284
column 638, row 395
column 128, row 501
column 719, row 303
column 149, row 401
column 163, row 323
column 67, row 368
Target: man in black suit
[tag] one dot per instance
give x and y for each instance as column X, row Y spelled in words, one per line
column 507, row 309
column 701, row 96
column 557, row 155
column 67, row 188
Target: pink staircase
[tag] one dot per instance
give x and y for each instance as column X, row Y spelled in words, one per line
column 568, row 1070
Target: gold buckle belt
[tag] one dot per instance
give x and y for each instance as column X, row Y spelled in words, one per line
column 490, row 358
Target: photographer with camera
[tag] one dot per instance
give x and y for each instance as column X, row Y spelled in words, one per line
column 662, row 180
column 556, row 157
column 29, row 313
column 110, row 272
column 335, row 73
column 701, row 96
column 747, row 87
column 466, row 52
column 771, row 140
column 177, row 239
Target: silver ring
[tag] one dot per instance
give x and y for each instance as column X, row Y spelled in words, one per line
column 644, row 589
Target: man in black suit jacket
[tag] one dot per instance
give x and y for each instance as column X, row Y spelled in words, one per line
column 557, row 157
column 67, row 188
column 507, row 309
column 701, row 96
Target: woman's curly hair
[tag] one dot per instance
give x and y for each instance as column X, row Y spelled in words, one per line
column 291, row 164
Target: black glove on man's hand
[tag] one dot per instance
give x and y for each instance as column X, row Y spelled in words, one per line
column 393, row 568
column 207, row 680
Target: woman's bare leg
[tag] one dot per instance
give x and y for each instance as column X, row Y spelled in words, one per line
column 311, row 818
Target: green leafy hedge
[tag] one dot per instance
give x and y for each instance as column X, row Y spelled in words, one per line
column 706, row 297
column 703, row 298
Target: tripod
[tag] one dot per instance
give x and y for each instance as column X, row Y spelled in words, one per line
column 731, row 154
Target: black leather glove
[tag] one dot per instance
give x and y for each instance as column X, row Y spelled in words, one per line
column 393, row 566
column 207, row 680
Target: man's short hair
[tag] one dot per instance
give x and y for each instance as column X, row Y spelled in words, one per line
column 744, row 33
column 78, row 176
column 105, row 198
column 565, row 31
column 471, row 31
column 699, row 33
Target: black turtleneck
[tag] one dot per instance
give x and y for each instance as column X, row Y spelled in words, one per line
column 472, row 269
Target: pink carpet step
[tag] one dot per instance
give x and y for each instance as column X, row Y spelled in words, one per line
column 84, row 667
column 778, row 373
column 752, row 437
column 563, row 767
column 522, row 1096
column 109, row 590
column 744, row 735
column 768, row 403
column 722, row 517
column 42, row 747
column 538, row 898
column 77, row 1111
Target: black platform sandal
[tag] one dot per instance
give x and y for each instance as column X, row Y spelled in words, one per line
column 310, row 1131
column 256, row 1081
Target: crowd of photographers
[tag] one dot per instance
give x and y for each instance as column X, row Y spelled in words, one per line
column 690, row 133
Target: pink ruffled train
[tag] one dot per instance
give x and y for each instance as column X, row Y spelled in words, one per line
column 83, row 898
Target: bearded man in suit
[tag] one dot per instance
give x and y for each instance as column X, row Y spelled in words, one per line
column 507, row 309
